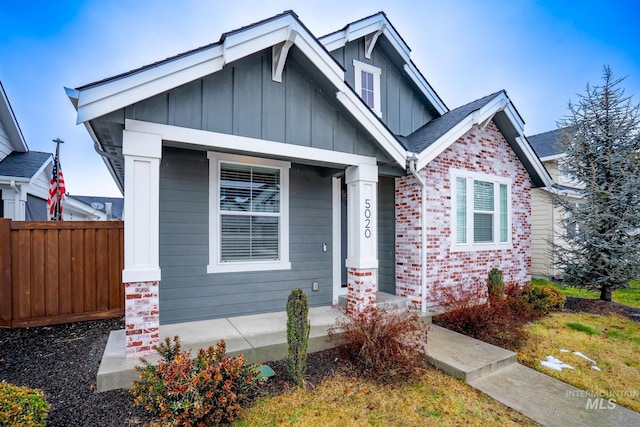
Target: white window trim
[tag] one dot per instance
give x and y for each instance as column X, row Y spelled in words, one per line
column 470, row 245
column 358, row 67
column 215, row 265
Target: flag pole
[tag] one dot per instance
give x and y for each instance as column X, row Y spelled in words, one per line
column 58, row 206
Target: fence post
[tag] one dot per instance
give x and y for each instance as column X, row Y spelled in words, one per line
column 6, row 300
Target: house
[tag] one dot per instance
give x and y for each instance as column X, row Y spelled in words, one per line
column 91, row 208
column 273, row 159
column 24, row 174
column 548, row 223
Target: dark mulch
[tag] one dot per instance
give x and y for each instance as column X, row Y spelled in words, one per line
column 63, row 360
column 597, row 306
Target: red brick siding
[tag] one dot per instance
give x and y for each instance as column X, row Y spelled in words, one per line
column 483, row 151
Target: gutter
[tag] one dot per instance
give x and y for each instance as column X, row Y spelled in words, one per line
column 413, row 158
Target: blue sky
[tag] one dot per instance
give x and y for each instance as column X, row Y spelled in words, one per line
column 542, row 53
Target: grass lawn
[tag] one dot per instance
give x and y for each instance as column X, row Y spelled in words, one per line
column 612, row 341
column 629, row 296
column 434, row 398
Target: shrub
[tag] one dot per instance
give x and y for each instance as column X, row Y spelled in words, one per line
column 298, row 328
column 22, row 406
column 495, row 283
column 382, row 344
column 186, row 391
column 492, row 320
column 535, row 301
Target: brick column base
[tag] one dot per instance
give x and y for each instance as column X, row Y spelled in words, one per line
column 142, row 318
column 362, row 288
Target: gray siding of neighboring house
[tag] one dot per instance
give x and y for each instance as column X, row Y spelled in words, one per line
column 243, row 100
column 188, row 293
column 386, row 235
column 404, row 108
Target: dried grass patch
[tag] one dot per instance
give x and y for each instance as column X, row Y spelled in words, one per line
column 432, row 398
column 614, row 345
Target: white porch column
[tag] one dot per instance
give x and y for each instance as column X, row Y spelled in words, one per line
column 14, row 199
column 362, row 226
column 142, row 153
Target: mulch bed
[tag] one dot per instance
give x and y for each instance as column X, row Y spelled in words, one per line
column 597, row 306
column 63, row 360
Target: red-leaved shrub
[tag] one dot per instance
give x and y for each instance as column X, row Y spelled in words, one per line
column 490, row 318
column 186, row 391
column 383, row 344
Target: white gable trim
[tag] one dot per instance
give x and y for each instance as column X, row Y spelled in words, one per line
column 104, row 98
column 374, row 26
column 480, row 117
column 101, row 99
column 250, row 146
column 476, row 117
column 535, row 161
column 10, row 123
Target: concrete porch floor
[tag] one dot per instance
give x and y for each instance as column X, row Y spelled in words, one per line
column 259, row 337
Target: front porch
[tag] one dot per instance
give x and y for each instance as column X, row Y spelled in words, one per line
column 263, row 337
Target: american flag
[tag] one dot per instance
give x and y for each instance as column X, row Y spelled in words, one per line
column 56, row 188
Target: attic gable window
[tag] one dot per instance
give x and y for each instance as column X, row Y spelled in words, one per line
column 367, row 84
column 480, row 211
column 248, row 214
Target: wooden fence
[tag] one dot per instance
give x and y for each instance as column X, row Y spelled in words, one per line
column 59, row 272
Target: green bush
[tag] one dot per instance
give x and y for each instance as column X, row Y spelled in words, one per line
column 298, row 328
column 184, row 391
column 495, row 283
column 536, row 301
column 384, row 345
column 22, row 406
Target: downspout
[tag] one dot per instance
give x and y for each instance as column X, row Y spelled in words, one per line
column 423, row 219
column 16, row 201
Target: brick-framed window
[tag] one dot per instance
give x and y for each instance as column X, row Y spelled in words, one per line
column 481, row 211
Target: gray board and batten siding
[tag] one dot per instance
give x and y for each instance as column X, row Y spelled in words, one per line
column 188, row 293
column 404, row 107
column 243, row 100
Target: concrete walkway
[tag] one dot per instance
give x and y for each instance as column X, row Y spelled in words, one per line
column 488, row 368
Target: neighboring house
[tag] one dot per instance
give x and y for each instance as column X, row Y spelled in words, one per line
column 549, row 224
column 91, row 208
column 273, row 159
column 24, row 174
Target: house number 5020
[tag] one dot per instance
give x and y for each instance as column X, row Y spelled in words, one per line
column 367, row 218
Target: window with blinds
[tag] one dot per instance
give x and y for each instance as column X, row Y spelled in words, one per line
column 249, row 213
column 482, row 209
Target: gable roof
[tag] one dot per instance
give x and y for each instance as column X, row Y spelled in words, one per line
column 424, row 137
column 372, row 27
column 23, row 166
column 10, row 123
column 279, row 32
column 436, row 136
column 546, row 144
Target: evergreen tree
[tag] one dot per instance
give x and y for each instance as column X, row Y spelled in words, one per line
column 601, row 139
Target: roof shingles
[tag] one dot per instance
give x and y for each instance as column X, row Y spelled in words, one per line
column 23, row 165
